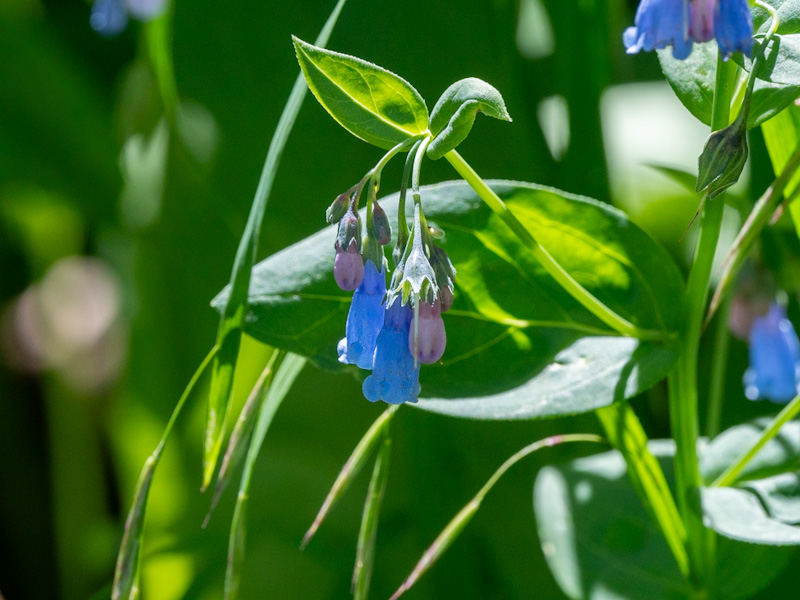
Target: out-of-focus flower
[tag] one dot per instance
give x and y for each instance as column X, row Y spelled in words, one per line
column 395, row 377
column 365, row 319
column 774, row 371
column 110, row 17
column 679, row 23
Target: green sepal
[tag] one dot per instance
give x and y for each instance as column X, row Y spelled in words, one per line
column 349, row 230
column 454, row 113
column 414, row 275
column 338, row 208
column 373, row 251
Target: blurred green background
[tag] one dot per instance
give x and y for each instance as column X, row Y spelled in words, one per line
column 116, row 230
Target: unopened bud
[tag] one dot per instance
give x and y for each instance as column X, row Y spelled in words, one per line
column 446, row 297
column 380, row 225
column 348, row 267
column 431, row 338
column 349, row 230
column 338, row 208
column 723, row 158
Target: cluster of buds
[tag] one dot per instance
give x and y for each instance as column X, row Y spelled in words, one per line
column 390, row 332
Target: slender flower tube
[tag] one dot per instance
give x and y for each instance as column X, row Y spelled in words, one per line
column 774, row 371
column 679, row 23
column 395, row 378
column 365, row 319
column 431, row 337
column 348, row 267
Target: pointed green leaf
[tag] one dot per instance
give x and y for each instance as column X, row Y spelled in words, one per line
column 127, row 569
column 370, row 102
column 235, row 307
column 365, row 551
column 557, row 358
column 455, row 111
column 351, row 469
column 285, row 376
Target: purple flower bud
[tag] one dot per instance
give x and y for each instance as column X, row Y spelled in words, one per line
column 774, row 371
column 744, row 311
column 348, row 267
column 365, row 319
column 380, row 225
column 431, row 336
column 395, row 378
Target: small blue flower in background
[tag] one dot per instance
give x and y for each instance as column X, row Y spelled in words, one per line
column 365, row 319
column 110, row 17
column 395, row 378
column 774, row 372
column 679, row 23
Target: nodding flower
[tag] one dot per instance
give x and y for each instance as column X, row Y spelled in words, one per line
column 365, row 319
column 680, row 23
column 774, row 372
column 431, row 337
column 395, row 377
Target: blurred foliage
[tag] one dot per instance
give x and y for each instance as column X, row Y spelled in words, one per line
column 79, row 130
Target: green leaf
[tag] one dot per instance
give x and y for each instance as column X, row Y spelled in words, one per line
column 365, row 551
column 285, row 376
column 127, row 568
column 782, row 138
column 600, row 543
column 693, row 80
column 455, row 111
column 235, row 307
column 517, row 342
column 780, row 454
column 370, row 102
column 782, row 54
column 739, row 515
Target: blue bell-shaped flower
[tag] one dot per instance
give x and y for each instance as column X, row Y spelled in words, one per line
column 395, row 377
column 774, row 372
column 733, row 27
column 109, row 17
column 365, row 319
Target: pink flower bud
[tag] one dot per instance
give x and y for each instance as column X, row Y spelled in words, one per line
column 431, row 336
column 348, row 267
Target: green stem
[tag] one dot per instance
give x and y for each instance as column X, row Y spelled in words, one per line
column 717, row 390
column 626, row 434
column 575, row 289
column 789, row 412
column 683, row 397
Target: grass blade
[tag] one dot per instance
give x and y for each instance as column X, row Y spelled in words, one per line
column 232, row 321
column 242, row 430
column 351, row 469
column 464, row 516
column 125, row 586
column 365, row 551
column 285, row 376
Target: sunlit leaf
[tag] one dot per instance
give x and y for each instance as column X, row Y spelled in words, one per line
column 370, row 102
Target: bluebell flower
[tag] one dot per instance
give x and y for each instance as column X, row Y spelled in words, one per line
column 395, row 377
column 110, row 17
column 365, row 319
column 679, row 23
column 774, row 371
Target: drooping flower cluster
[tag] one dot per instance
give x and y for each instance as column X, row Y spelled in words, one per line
column 679, row 23
column 110, row 17
column 774, row 372
column 390, row 331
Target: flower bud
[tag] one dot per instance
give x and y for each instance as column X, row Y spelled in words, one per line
column 338, row 208
column 349, row 229
column 348, row 267
column 446, row 297
column 431, row 337
column 723, row 159
column 380, row 225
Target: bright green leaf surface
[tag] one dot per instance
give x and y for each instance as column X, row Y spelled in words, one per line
column 601, row 544
column 782, row 137
column 455, row 112
column 511, row 327
column 782, row 55
column 693, row 82
column 370, row 102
